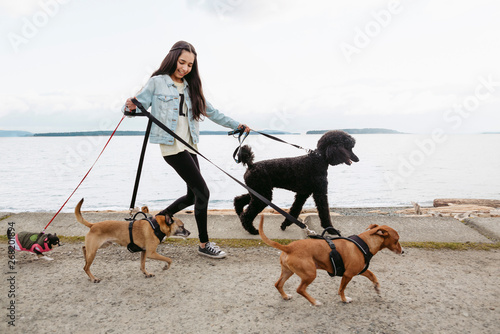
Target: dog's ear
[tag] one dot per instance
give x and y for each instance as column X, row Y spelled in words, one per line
column 336, row 155
column 382, row 232
column 160, row 219
column 164, row 219
column 145, row 209
column 372, row 226
column 169, row 220
column 333, row 155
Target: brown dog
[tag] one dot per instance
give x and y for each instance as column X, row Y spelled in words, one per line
column 104, row 233
column 303, row 257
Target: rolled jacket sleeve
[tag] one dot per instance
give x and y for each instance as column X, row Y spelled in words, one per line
column 145, row 95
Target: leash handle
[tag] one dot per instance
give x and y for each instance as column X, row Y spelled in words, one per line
column 235, row 132
column 242, row 135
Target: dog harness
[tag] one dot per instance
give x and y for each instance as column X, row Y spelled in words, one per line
column 336, row 258
column 132, row 247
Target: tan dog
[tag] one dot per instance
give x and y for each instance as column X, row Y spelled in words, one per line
column 303, row 257
column 104, row 233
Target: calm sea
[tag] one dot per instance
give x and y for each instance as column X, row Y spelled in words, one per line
column 39, row 173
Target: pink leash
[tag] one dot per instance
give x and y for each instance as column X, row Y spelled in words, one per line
column 85, row 175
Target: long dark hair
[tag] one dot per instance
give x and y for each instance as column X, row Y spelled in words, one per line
column 169, row 65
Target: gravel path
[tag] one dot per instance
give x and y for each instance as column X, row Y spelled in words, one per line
column 423, row 291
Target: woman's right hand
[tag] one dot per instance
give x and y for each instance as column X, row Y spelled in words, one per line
column 130, row 105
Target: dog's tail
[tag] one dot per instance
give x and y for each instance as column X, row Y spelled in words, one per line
column 79, row 216
column 246, row 156
column 268, row 241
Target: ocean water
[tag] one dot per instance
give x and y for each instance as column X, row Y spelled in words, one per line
column 39, row 173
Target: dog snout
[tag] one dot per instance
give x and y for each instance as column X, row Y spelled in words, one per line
column 354, row 157
column 182, row 232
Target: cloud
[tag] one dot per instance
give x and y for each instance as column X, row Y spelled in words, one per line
column 13, row 104
column 17, row 8
column 54, row 103
column 254, row 10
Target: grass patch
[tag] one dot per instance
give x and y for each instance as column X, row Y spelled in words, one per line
column 71, row 239
column 251, row 243
column 233, row 243
column 451, row 245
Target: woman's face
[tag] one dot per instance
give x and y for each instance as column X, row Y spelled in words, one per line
column 184, row 65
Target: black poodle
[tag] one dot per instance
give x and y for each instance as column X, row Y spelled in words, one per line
column 305, row 175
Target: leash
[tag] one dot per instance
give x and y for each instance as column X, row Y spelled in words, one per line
column 43, row 231
column 242, row 135
column 139, row 168
column 256, row 194
column 283, row 141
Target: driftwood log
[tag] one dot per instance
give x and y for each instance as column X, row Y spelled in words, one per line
column 465, row 201
column 459, row 211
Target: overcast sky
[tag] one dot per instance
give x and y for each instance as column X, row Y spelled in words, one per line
column 412, row 66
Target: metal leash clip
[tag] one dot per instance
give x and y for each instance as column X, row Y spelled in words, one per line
column 309, row 231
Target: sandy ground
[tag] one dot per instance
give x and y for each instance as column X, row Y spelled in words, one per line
column 423, row 291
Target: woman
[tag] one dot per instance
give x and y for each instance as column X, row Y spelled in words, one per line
column 175, row 95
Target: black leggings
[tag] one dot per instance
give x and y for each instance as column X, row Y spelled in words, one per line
column 188, row 168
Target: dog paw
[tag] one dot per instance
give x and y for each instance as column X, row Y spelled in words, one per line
column 46, row 258
column 96, row 280
column 287, row 297
column 167, row 266
column 317, row 303
column 149, row 275
column 253, row 231
column 347, row 300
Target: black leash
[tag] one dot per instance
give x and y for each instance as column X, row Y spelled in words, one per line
column 139, row 168
column 282, row 141
column 242, row 135
column 256, row 194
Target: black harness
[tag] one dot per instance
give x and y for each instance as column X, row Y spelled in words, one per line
column 132, row 247
column 336, row 258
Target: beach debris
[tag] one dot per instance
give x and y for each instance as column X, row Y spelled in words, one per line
column 466, row 201
column 380, row 212
column 418, row 209
column 458, row 208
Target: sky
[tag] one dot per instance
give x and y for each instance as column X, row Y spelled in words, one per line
column 412, row 66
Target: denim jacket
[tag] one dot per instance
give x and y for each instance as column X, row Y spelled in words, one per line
column 160, row 93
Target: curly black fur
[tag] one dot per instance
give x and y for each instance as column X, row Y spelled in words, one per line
column 304, row 175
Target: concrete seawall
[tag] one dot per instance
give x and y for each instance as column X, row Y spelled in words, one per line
column 226, row 225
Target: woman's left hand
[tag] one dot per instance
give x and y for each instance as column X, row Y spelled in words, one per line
column 244, row 126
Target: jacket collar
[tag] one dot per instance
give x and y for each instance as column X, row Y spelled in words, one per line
column 170, row 82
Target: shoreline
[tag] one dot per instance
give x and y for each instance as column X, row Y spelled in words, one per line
column 348, row 211
column 442, row 225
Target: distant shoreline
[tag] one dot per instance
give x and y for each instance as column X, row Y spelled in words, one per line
column 217, row 133
column 8, row 133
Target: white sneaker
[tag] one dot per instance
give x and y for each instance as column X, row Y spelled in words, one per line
column 212, row 250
